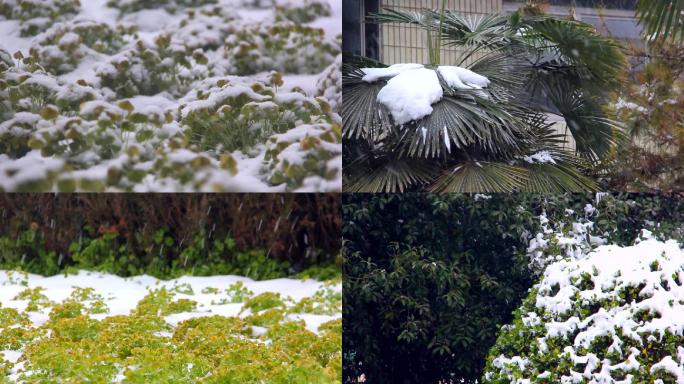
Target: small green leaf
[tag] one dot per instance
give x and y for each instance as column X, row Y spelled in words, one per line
column 126, row 105
column 49, row 113
column 138, row 118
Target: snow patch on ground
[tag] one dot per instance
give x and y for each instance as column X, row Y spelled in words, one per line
column 121, row 295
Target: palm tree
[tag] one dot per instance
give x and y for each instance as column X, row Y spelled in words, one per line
column 496, row 138
column 662, row 18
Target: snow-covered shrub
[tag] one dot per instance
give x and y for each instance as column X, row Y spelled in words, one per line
column 60, row 49
column 260, row 4
column 25, row 91
column 97, row 106
column 148, row 69
column 613, row 316
column 306, row 157
column 206, row 29
column 37, row 15
column 329, row 85
column 301, row 11
column 172, row 6
column 285, row 47
column 235, row 113
column 406, row 319
column 6, row 60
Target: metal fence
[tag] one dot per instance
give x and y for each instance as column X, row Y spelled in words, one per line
column 402, row 43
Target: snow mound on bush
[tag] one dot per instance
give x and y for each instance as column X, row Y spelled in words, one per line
column 615, row 315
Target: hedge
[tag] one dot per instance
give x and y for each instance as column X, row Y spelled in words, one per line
column 165, row 235
column 429, row 279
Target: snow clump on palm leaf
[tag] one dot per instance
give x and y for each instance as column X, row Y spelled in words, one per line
column 412, row 89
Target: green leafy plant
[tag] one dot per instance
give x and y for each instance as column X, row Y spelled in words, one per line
column 160, row 66
column 128, row 6
column 109, row 252
column 430, row 279
column 486, row 137
column 142, row 346
column 62, row 47
column 302, row 12
column 36, row 15
column 284, row 47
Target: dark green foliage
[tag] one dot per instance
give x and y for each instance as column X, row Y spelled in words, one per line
column 429, row 279
column 159, row 256
column 259, row 236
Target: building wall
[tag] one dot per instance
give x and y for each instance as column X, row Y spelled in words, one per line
column 401, row 43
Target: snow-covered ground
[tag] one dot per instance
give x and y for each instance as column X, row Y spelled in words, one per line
column 121, row 295
column 40, row 298
column 138, row 95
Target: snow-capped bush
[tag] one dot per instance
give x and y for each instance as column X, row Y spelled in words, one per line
column 301, row 11
column 5, row 59
column 572, row 236
column 38, row 15
column 127, row 6
column 235, row 113
column 61, row 48
column 149, row 69
column 329, row 85
column 615, row 315
column 285, row 47
column 206, row 29
column 258, row 4
column 307, row 157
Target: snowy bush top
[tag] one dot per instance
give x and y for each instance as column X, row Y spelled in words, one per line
column 612, row 315
column 412, row 88
column 142, row 95
column 97, row 327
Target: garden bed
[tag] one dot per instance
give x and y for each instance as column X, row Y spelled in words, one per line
column 101, row 327
column 170, row 96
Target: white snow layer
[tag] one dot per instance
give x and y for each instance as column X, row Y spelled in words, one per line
column 412, row 89
column 410, row 94
column 462, row 78
column 188, row 27
column 655, row 269
column 121, row 295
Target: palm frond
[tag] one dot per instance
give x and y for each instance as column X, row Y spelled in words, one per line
column 506, row 70
column 387, row 174
column 576, row 44
column 595, row 134
column 424, row 18
column 481, row 177
column 556, row 178
column 488, row 32
column 662, row 18
column 459, row 122
column 362, row 115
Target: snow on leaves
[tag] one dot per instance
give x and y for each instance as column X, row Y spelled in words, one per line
column 612, row 315
column 129, row 105
column 100, row 327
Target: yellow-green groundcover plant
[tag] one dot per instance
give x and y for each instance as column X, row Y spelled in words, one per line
column 199, row 330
